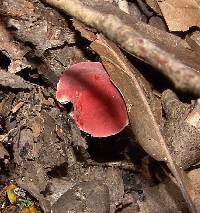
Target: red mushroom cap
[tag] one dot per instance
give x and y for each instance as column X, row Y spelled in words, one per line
column 99, row 108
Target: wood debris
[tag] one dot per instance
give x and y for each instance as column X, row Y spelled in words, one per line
column 180, row 15
column 152, row 165
column 13, row 81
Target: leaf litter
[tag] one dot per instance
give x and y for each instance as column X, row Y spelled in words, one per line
column 45, row 153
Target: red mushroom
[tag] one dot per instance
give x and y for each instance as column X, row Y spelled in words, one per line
column 99, row 108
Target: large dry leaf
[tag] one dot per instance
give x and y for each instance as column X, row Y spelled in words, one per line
column 141, row 118
column 180, row 15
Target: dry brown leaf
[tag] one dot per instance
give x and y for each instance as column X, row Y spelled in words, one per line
column 124, row 77
column 37, row 126
column 141, row 118
column 180, row 15
column 33, row 190
column 85, row 31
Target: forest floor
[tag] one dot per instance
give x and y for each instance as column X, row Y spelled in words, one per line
column 150, row 50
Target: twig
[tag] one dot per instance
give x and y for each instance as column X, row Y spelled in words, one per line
column 183, row 77
column 123, row 165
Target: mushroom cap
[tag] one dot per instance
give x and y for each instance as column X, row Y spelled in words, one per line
column 99, row 108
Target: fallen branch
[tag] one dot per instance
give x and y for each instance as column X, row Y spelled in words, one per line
column 184, row 78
